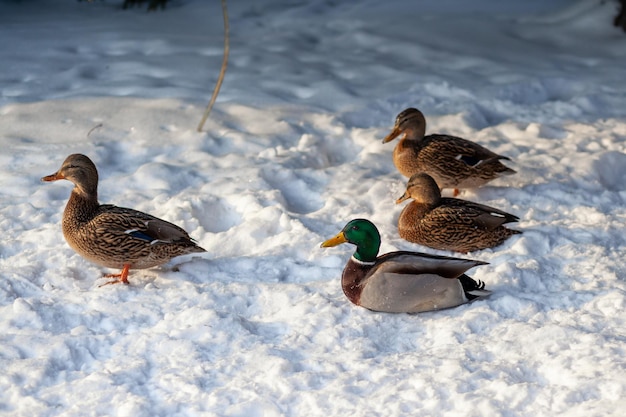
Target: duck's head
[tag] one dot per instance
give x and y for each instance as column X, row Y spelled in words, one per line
column 411, row 122
column 78, row 169
column 421, row 188
column 363, row 234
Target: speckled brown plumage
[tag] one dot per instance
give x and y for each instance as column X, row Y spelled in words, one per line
column 111, row 236
column 452, row 161
column 450, row 223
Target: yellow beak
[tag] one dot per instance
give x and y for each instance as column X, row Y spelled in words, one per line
column 334, row 241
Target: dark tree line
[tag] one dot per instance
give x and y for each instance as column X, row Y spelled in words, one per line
column 620, row 19
column 152, row 4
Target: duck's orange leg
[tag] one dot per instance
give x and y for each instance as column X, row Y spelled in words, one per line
column 122, row 277
column 455, row 192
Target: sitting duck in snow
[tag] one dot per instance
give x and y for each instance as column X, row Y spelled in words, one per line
column 402, row 282
column 452, row 161
column 111, row 236
column 450, row 223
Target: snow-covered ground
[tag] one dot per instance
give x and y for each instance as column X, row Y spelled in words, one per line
column 259, row 326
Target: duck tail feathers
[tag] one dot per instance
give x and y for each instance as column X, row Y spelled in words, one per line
column 472, row 288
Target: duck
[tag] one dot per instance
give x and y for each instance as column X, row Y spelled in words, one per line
column 453, row 162
column 402, row 281
column 448, row 223
column 112, row 236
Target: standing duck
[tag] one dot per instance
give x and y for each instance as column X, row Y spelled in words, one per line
column 111, row 236
column 452, row 161
column 402, row 282
column 449, row 223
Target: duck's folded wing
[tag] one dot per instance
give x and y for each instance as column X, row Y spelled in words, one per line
column 453, row 210
column 472, row 154
column 140, row 225
column 414, row 263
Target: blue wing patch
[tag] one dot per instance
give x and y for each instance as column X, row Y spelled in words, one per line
column 469, row 160
column 141, row 235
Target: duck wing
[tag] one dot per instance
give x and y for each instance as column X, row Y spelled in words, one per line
column 478, row 214
column 416, row 263
column 140, row 225
column 472, row 154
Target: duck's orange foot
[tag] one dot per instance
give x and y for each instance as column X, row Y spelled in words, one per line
column 115, row 281
column 455, row 192
column 121, row 278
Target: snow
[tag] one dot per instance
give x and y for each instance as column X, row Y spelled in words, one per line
column 259, row 326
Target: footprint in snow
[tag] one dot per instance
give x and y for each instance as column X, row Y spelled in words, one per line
column 611, row 170
column 299, row 193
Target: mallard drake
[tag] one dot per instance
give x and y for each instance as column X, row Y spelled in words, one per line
column 449, row 223
column 452, row 161
column 402, row 282
column 111, row 236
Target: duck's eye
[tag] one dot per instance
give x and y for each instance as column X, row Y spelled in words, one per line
column 355, row 228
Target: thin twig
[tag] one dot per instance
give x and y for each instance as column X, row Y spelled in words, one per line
column 99, row 125
column 222, row 71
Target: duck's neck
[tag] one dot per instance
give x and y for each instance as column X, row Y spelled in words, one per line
column 409, row 141
column 412, row 215
column 367, row 251
column 81, row 207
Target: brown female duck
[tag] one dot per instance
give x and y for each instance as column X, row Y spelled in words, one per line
column 402, row 282
column 450, row 223
column 452, row 161
column 114, row 237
